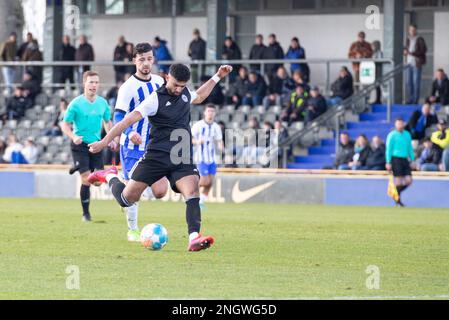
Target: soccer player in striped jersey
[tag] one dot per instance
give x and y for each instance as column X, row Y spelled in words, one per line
column 134, row 140
column 206, row 135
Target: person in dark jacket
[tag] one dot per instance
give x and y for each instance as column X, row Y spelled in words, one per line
column 161, row 53
column 440, row 89
column 279, row 89
column 415, row 54
column 31, row 86
column 8, row 53
column 345, row 152
column 85, row 52
column 316, row 105
column 32, row 53
column 239, row 88
column 23, row 46
column 361, row 153
column 430, row 157
column 197, row 51
column 258, row 52
column 119, row 56
column 274, row 51
column 66, row 53
column 342, row 88
column 295, row 51
column 16, row 105
column 420, row 121
column 376, row 157
column 231, row 51
column 257, row 88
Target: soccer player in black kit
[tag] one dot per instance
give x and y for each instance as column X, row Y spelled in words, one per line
column 169, row 152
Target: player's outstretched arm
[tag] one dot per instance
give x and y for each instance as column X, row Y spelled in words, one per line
column 116, row 130
column 204, row 91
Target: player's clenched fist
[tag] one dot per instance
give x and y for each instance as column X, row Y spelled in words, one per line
column 224, row 70
column 97, row 146
column 135, row 138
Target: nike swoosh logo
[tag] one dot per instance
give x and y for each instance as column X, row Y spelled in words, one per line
column 239, row 196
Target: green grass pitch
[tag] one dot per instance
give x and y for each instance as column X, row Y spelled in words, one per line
column 261, row 251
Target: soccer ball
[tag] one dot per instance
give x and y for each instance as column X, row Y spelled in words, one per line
column 154, row 236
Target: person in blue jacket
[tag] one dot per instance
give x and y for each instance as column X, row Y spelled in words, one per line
column 161, row 53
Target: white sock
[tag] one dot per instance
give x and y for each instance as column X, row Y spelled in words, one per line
column 193, row 235
column 132, row 215
column 203, row 198
column 148, row 193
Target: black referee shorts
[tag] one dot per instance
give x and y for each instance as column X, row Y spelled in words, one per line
column 155, row 165
column 85, row 160
column 400, row 167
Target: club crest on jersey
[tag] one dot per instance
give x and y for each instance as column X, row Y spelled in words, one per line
column 184, row 98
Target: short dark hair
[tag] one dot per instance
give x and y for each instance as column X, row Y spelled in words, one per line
column 209, row 106
column 180, row 72
column 414, row 25
column 142, row 48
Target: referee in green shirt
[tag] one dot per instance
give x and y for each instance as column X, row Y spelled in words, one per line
column 87, row 113
column 399, row 154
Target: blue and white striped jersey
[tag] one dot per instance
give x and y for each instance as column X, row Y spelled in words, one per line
column 210, row 134
column 130, row 95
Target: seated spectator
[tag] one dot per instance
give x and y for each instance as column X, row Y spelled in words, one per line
column 112, row 94
column 13, row 152
column 297, row 52
column 30, row 152
column 2, row 149
column 298, row 79
column 281, row 135
column 440, row 139
column 376, row 156
column 17, row 105
column 161, row 53
column 295, row 110
column 257, row 88
column 342, row 88
column 248, row 153
column 279, row 89
column 440, row 89
column 239, row 88
column 216, row 97
column 31, row 86
column 316, row 105
column 345, row 152
column 56, row 131
column 420, row 121
column 361, row 153
column 430, row 157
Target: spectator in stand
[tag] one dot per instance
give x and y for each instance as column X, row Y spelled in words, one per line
column 197, row 51
column 30, row 151
column 361, row 153
column 120, row 56
column 85, row 52
column 231, row 51
column 23, row 46
column 129, row 56
column 2, row 149
column 376, row 156
column 239, row 88
column 430, row 157
column 8, row 53
column 415, row 53
column 31, row 86
column 360, row 49
column 279, row 89
column 440, row 89
column 17, row 105
column 66, row 53
column 32, row 53
column 345, row 152
column 274, row 51
column 342, row 88
column 258, row 52
column 56, row 131
column 216, row 97
column 281, row 135
column 112, row 94
column 257, row 89
column 420, row 121
column 299, row 80
column 295, row 110
column 161, row 53
column 316, row 105
column 13, row 152
column 378, row 54
column 297, row 52
column 440, row 139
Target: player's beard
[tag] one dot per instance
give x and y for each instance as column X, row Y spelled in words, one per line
column 145, row 71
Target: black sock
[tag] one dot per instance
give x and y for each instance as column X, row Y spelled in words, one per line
column 85, row 198
column 193, row 215
column 401, row 189
column 117, row 187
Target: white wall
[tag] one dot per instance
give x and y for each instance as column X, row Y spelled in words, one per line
column 441, row 43
column 184, row 34
column 323, row 36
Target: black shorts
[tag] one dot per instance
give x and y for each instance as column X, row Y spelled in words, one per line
column 400, row 167
column 155, row 165
column 85, row 160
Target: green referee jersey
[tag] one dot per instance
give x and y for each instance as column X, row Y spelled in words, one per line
column 87, row 117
